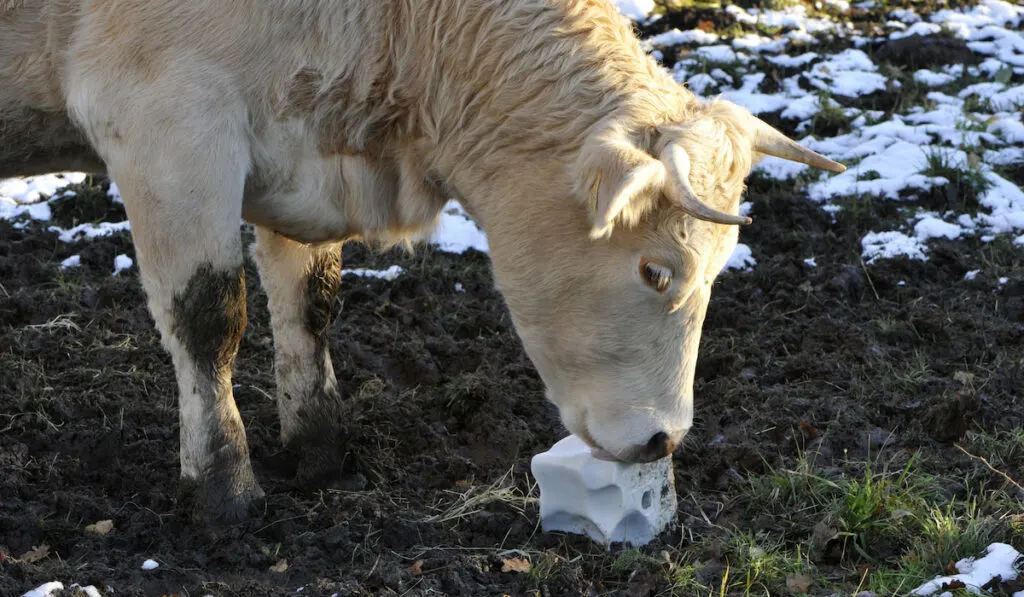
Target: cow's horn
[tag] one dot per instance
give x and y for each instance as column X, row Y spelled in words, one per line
column 679, row 190
column 771, row 142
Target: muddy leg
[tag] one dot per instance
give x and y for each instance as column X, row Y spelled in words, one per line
column 181, row 160
column 184, row 204
column 197, row 298
column 302, row 282
column 195, row 284
column 208, row 318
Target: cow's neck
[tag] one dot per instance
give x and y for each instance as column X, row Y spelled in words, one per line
column 508, row 91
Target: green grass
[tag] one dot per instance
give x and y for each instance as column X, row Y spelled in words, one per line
column 967, row 182
column 760, row 563
column 889, row 520
column 1004, row 448
column 831, row 120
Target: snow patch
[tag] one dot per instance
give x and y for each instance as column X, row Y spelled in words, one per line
column 886, row 173
column 886, row 245
column 1001, row 560
column 45, row 590
column 931, row 227
column 779, row 169
column 89, row 230
column 675, row 37
column 122, row 263
column 457, row 233
column 389, row 274
column 638, row 10
column 70, row 262
column 931, row 78
column 742, row 258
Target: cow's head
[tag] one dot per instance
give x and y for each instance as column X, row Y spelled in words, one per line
column 608, row 294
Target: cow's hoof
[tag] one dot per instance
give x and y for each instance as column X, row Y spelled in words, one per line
column 319, row 460
column 318, row 457
column 220, row 505
column 233, row 508
column 228, row 493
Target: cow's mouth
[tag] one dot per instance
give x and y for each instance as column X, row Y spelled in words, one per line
column 595, row 449
column 602, row 454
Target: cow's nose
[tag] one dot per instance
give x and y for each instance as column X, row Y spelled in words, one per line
column 660, row 445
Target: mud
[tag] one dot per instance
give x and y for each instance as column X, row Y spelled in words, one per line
column 444, row 404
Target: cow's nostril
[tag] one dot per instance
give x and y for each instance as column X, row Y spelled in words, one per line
column 659, row 446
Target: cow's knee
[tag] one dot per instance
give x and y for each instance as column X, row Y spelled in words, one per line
column 208, row 318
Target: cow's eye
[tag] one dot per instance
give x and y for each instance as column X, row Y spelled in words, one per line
column 655, row 275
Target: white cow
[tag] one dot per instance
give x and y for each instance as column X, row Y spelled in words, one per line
column 608, row 192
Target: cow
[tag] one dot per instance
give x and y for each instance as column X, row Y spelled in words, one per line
column 608, row 192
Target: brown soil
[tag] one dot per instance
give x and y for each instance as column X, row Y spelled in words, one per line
column 448, row 403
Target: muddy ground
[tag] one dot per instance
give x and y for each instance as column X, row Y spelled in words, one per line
column 448, row 405
column 837, row 359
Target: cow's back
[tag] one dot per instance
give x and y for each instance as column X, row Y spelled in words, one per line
column 36, row 134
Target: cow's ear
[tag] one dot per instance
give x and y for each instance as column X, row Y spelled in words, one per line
column 618, row 182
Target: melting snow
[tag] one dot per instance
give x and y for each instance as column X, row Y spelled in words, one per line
column 86, row 231
column 787, row 61
column 389, row 274
column 45, row 590
column 635, row 9
column 457, row 233
column 1001, row 561
column 905, row 15
column 742, row 258
column 886, row 245
column 73, row 261
column 932, row 78
column 932, row 227
column 779, row 168
column 675, row 37
column 885, row 172
column 849, row 73
column 122, row 263
column 50, row 588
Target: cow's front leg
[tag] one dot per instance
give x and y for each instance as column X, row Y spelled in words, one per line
column 302, row 282
column 192, row 273
column 185, row 217
column 175, row 136
column 191, row 269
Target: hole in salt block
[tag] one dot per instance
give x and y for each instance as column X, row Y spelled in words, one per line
column 645, row 500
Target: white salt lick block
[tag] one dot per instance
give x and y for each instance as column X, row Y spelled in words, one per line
column 611, row 502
